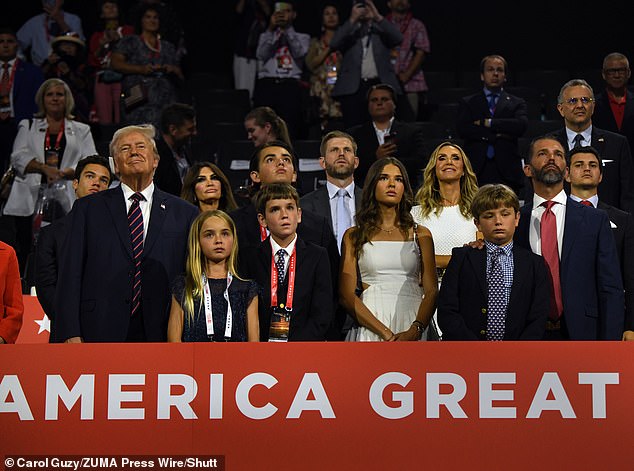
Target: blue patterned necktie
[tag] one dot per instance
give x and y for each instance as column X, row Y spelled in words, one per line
column 496, row 303
column 492, row 99
column 343, row 215
column 279, row 264
column 135, row 222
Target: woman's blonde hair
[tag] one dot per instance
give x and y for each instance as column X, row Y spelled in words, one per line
column 428, row 195
column 39, row 98
column 196, row 260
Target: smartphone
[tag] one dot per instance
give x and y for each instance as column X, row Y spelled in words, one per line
column 390, row 138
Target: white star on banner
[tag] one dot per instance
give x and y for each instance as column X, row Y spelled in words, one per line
column 45, row 324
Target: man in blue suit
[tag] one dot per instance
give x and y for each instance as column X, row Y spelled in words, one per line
column 98, row 297
column 592, row 303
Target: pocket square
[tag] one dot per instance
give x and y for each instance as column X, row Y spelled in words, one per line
column 612, row 225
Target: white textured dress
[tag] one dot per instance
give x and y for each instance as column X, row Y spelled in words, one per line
column 448, row 230
column 392, row 271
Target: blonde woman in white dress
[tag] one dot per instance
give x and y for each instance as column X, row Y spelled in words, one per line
column 390, row 260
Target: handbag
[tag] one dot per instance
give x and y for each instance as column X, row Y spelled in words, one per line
column 134, row 97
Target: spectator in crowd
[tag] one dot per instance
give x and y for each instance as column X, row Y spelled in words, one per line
column 45, row 153
column 408, row 57
column 614, row 108
column 37, row 32
column 151, row 69
column 107, row 90
column 364, row 41
column 385, row 136
column 585, row 169
column 252, row 17
column 133, row 239
column 391, row 259
column 19, row 81
column 211, row 280
column 480, row 282
column 207, row 187
column 92, row 175
column 576, row 106
column 577, row 246
column 178, row 126
column 324, row 64
column 67, row 61
column 490, row 122
column 11, row 289
column 263, row 125
column 282, row 50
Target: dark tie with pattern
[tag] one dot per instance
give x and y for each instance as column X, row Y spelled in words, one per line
column 279, row 264
column 578, row 139
column 550, row 252
column 135, row 221
column 492, row 101
column 496, row 304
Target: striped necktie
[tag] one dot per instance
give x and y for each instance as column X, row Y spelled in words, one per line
column 135, row 221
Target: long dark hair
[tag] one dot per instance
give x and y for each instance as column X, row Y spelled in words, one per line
column 368, row 217
column 188, row 193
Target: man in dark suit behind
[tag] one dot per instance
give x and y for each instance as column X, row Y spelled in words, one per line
column 584, row 175
column 490, row 122
column 576, row 105
column 385, row 136
column 178, row 125
column 590, row 304
column 98, row 298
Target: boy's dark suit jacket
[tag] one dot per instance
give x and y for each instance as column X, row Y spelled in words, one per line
column 591, row 285
column 462, row 305
column 313, row 309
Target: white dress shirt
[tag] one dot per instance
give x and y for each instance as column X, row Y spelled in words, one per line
column 534, row 234
column 289, row 251
column 145, row 205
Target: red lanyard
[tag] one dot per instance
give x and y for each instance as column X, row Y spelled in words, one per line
column 58, row 140
column 291, row 280
column 263, row 234
column 9, row 84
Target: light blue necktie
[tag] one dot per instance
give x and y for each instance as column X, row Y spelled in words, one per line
column 343, row 215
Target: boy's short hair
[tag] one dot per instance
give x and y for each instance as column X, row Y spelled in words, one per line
column 494, row 196
column 275, row 191
column 584, row 150
column 254, row 164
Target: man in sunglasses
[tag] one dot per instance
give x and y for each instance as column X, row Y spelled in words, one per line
column 614, row 108
column 575, row 104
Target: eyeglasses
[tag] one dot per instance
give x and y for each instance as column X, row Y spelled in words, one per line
column 622, row 70
column 584, row 100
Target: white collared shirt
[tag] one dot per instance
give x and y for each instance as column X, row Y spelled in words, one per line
column 380, row 134
column 587, row 137
column 593, row 199
column 534, row 234
column 289, row 251
column 145, row 205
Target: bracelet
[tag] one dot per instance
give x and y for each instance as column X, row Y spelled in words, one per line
column 419, row 325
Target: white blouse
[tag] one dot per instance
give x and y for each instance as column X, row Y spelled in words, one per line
column 449, row 229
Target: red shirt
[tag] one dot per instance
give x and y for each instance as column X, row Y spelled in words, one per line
column 618, row 108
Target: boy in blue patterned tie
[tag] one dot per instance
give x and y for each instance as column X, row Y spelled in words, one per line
column 501, row 292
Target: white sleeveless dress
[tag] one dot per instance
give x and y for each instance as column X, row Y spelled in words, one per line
column 392, row 271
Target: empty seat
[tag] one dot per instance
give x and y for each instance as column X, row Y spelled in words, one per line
column 448, row 95
column 431, row 129
column 446, row 114
column 233, row 159
column 310, row 176
column 307, row 148
column 538, row 127
column 440, row 79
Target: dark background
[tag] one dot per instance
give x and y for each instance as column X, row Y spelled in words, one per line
column 530, row 35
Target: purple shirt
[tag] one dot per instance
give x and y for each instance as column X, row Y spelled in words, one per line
column 414, row 37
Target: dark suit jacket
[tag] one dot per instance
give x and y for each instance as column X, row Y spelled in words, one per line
column 624, row 238
column 591, row 285
column 604, row 118
column 97, row 267
column 27, row 81
column 167, row 176
column 462, row 305
column 508, row 123
column 49, row 246
column 617, row 186
column 410, row 144
column 313, row 310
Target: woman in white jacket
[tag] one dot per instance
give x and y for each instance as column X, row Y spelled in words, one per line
column 45, row 153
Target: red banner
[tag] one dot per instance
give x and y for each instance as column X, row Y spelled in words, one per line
column 437, row 405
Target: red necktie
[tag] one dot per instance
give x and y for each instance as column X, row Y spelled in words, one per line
column 586, row 203
column 550, row 252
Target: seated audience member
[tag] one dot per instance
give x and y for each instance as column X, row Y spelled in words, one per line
column 294, row 275
column 151, row 69
column 281, row 51
column 585, row 169
column 178, row 126
column 365, row 42
column 107, row 89
column 614, row 106
column 443, row 202
column 263, row 125
column 67, row 61
column 212, row 286
column 578, row 248
column 384, row 136
column 505, row 282
column 38, row 31
column 575, row 104
column 490, row 122
column 11, row 290
column 92, row 175
column 125, row 246
column 19, row 81
column 208, row 188
column 391, row 259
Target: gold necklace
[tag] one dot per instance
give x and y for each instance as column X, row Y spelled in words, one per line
column 389, row 231
column 451, row 203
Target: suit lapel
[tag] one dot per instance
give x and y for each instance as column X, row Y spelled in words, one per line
column 521, row 234
column 520, row 271
column 572, row 227
column 160, row 207
column 478, row 261
column 117, row 207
